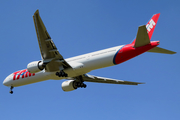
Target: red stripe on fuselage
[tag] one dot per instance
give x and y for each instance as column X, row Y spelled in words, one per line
column 24, row 73
column 19, row 74
column 15, row 73
column 29, row 74
column 128, row 51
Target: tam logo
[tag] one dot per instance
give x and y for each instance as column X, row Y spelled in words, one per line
column 150, row 25
column 22, row 74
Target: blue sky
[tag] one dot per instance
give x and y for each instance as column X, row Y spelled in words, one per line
column 82, row 26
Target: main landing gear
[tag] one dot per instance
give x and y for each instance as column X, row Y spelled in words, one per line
column 80, row 85
column 61, row 74
column 11, row 90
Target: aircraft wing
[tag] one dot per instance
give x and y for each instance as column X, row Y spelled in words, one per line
column 49, row 52
column 91, row 78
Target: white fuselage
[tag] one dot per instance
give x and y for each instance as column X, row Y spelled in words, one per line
column 85, row 63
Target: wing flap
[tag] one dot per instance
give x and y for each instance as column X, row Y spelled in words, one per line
column 91, row 78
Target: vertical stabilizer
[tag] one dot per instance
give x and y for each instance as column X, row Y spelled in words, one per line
column 150, row 26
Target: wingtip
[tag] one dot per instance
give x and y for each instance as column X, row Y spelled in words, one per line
column 37, row 12
column 141, row 83
column 173, row 52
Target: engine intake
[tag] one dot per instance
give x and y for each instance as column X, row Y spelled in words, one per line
column 35, row 66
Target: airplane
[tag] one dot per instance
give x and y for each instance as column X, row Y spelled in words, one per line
column 74, row 70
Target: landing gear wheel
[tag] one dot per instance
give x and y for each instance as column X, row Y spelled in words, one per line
column 57, row 73
column 84, row 85
column 11, row 90
column 62, row 74
column 66, row 75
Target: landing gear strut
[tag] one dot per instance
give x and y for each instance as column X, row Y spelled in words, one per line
column 11, row 90
column 61, row 74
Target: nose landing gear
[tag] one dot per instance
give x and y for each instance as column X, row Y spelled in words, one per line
column 11, row 90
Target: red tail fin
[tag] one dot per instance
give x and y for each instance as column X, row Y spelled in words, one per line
column 150, row 26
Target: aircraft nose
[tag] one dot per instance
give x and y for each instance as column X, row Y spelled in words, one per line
column 7, row 81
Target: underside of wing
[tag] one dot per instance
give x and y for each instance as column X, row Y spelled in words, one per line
column 91, row 78
column 49, row 52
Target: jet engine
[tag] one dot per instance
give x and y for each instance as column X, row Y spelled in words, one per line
column 71, row 85
column 68, row 85
column 35, row 66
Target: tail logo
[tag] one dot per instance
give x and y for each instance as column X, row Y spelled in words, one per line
column 150, row 25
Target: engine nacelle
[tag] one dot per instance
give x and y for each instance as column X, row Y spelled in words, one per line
column 68, row 85
column 35, row 66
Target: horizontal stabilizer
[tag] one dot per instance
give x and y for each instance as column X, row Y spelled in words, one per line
column 142, row 37
column 161, row 50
